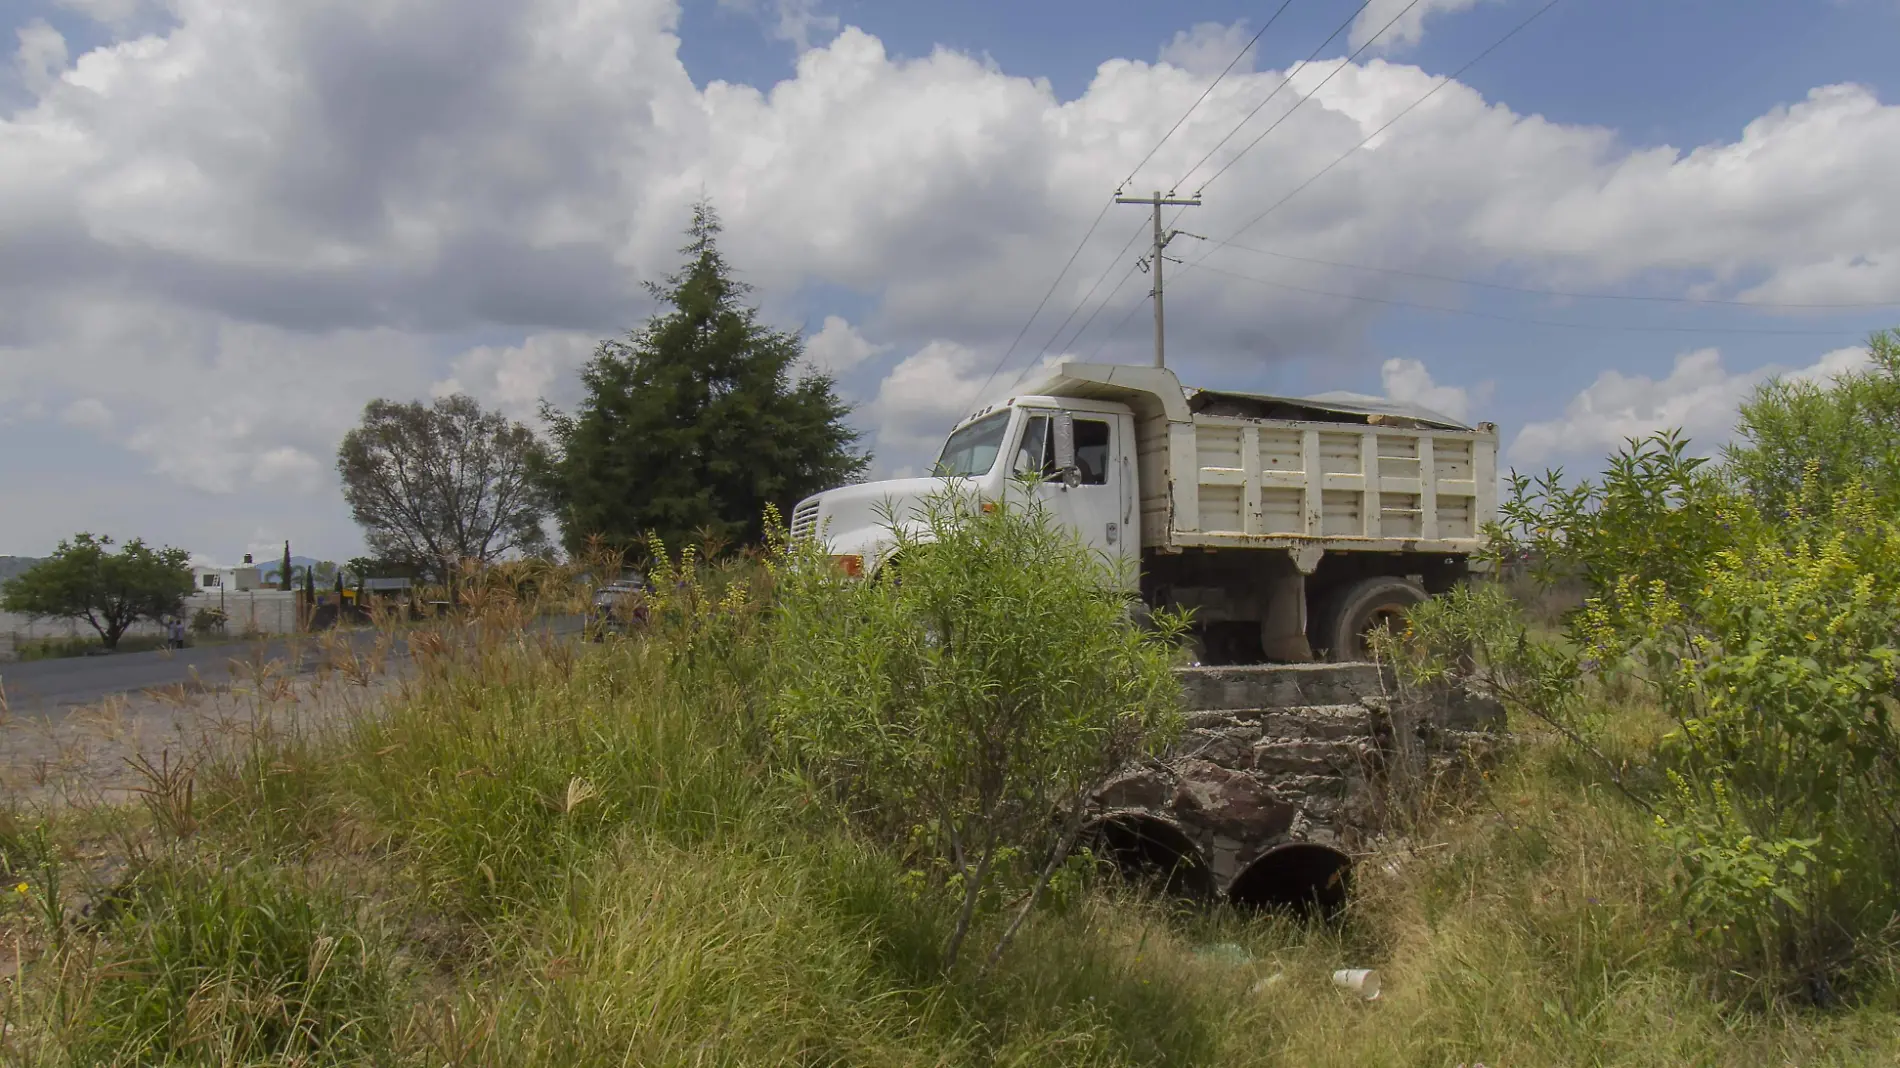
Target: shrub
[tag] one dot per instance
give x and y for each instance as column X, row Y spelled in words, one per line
column 1802, row 443
column 1657, row 515
column 968, row 705
column 1779, row 673
column 1770, row 646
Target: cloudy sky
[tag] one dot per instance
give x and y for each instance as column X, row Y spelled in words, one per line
column 226, row 224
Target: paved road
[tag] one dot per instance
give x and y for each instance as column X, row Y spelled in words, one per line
column 52, row 688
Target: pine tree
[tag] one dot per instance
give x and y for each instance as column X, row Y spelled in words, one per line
column 697, row 421
column 283, row 576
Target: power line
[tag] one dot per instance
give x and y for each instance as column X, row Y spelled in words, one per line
column 1084, row 302
column 1442, row 82
column 1106, row 270
column 1711, row 301
column 1284, row 82
column 1238, row 56
column 1083, row 329
column 1070, row 262
column 1609, row 327
column 1099, row 216
column 1290, row 75
column 1106, row 301
column 1116, row 329
column 1315, row 92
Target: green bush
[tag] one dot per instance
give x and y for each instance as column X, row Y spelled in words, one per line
column 965, row 706
column 1803, row 443
column 1768, row 641
column 1785, row 765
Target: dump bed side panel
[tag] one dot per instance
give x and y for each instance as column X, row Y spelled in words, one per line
column 1237, row 482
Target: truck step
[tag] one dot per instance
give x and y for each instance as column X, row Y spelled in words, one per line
column 1259, row 687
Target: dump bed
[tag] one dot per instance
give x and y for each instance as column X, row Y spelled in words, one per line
column 1340, row 473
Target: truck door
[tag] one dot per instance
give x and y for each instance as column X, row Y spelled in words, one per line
column 1097, row 500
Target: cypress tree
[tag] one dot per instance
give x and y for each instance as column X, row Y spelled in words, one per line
column 696, row 421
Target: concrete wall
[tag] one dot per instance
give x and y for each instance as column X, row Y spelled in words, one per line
column 257, row 611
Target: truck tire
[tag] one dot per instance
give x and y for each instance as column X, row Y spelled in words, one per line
column 1355, row 610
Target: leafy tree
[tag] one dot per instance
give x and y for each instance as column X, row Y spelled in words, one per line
column 368, row 567
column 433, row 485
column 695, row 423
column 1656, row 517
column 84, row 579
column 1803, row 443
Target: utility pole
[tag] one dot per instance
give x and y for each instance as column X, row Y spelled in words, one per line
column 1158, row 256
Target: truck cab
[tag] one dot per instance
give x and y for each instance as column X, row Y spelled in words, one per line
column 1079, row 454
column 1290, row 527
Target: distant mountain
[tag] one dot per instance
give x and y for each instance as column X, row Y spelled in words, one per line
column 270, row 567
column 11, row 566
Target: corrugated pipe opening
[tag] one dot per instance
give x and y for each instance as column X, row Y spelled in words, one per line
column 1152, row 852
column 1301, row 877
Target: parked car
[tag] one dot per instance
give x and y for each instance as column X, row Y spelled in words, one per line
column 619, row 606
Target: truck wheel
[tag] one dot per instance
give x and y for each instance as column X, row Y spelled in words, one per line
column 1355, row 611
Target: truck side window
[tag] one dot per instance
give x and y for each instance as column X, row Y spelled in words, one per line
column 1033, row 451
column 1091, row 451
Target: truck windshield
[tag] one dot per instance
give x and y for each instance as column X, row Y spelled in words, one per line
column 972, row 450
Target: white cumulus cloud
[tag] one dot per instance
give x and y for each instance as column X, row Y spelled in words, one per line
column 516, row 378
column 285, row 465
column 1208, row 47
column 236, row 228
column 1409, row 381
column 111, row 13
column 838, row 347
column 41, row 55
column 88, row 413
column 796, row 22
column 1699, row 395
column 1406, row 19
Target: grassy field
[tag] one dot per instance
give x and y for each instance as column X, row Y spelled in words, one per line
column 550, row 854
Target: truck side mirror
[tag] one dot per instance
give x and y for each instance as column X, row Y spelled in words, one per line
column 1066, row 470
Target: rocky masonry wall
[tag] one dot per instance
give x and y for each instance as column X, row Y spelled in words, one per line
column 1282, row 772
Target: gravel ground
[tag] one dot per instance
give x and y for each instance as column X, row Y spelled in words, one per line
column 89, row 755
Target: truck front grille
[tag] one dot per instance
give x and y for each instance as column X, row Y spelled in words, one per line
column 805, row 518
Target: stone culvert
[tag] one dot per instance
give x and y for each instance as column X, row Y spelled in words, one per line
column 1282, row 772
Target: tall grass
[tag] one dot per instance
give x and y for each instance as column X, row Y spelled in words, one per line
column 552, row 853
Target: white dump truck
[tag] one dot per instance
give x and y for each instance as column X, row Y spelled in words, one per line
column 1292, row 527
